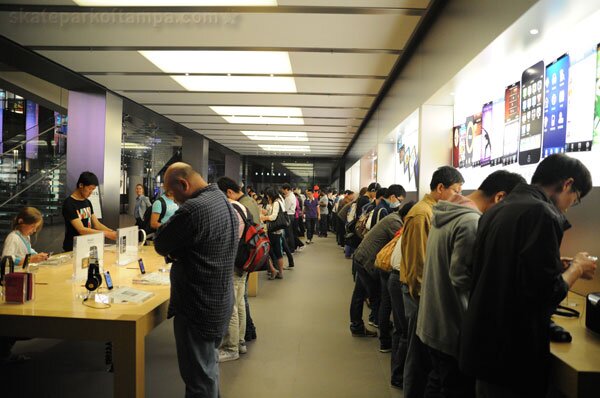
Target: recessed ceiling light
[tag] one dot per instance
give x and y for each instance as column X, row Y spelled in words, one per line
column 276, row 135
column 197, row 3
column 534, row 31
column 241, row 62
column 257, row 111
column 262, row 84
column 264, row 120
column 288, row 148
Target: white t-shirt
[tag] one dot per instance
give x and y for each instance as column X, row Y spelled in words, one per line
column 290, row 204
column 17, row 246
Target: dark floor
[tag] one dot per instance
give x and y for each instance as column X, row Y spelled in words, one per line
column 304, row 348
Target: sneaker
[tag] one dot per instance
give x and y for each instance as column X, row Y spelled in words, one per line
column 225, row 356
column 371, row 323
column 243, row 349
column 385, row 348
column 308, row 242
column 364, row 333
column 289, row 267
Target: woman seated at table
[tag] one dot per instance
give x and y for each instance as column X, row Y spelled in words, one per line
column 17, row 245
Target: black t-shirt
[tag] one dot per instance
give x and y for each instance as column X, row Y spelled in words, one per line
column 75, row 209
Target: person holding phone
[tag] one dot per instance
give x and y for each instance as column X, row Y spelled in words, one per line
column 78, row 212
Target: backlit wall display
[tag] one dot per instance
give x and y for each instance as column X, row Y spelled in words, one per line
column 512, row 105
column 555, row 106
column 462, row 151
column 455, row 145
column 497, row 132
column 407, row 149
column 476, row 128
column 486, row 128
column 469, row 142
column 532, row 96
column 31, row 129
column 581, row 89
column 597, row 106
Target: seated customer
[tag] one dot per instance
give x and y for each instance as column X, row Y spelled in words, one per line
column 78, row 212
column 17, row 245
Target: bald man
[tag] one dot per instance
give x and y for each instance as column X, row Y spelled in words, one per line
column 201, row 238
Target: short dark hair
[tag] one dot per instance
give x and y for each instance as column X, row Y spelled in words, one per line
column 309, row 190
column 397, row 190
column 87, row 178
column 374, row 186
column 363, row 191
column 226, row 183
column 286, row 186
column 556, row 169
column 272, row 194
column 405, row 209
column 500, row 181
column 447, row 176
column 381, row 192
column 348, row 192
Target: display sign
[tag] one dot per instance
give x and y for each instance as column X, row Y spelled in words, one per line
column 532, row 97
column 512, row 116
column 96, row 205
column 127, row 245
column 455, row 146
column 407, row 144
column 555, row 106
column 486, row 129
column 84, row 248
column 580, row 125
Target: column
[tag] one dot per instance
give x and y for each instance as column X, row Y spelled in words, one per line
column 435, row 142
column 94, row 144
column 194, row 151
column 233, row 165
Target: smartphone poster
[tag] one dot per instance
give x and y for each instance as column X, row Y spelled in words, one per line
column 469, row 136
column 497, row 132
column 486, row 128
column 596, row 140
column 462, row 151
column 555, row 106
column 581, row 91
column 476, row 162
column 532, row 96
column 455, row 146
column 512, row 116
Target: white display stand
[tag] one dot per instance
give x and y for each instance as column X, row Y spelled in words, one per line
column 96, row 203
column 127, row 245
column 82, row 247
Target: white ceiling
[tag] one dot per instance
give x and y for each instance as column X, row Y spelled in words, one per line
column 340, row 54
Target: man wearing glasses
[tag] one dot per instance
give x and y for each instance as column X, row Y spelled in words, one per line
column 518, row 279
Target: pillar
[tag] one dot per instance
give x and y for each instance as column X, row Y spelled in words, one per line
column 233, row 166
column 435, row 142
column 94, row 131
column 194, row 151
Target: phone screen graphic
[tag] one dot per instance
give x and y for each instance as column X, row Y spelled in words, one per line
column 555, row 106
column 532, row 97
column 108, row 279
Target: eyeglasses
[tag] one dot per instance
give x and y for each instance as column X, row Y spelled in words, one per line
column 578, row 199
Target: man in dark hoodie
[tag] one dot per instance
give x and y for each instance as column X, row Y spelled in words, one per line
column 447, row 279
column 519, row 279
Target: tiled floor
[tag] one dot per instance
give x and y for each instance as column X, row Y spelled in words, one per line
column 304, row 348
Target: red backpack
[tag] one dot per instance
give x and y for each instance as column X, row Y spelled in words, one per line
column 254, row 246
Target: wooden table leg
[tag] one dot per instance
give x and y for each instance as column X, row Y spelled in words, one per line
column 129, row 361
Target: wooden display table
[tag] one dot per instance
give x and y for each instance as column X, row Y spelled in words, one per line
column 58, row 312
column 576, row 365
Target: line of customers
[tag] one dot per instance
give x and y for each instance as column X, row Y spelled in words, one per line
column 474, row 280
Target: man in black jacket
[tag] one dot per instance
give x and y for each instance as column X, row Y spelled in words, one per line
column 519, row 279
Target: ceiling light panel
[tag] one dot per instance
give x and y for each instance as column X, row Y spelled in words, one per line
column 246, row 84
column 174, row 3
column 263, row 120
column 246, row 62
column 257, row 111
column 276, row 135
column 285, row 148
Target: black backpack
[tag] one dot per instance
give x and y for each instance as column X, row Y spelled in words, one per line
column 148, row 214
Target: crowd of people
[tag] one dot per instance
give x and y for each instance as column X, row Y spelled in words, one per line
column 460, row 288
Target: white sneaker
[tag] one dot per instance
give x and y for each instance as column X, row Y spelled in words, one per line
column 225, row 356
column 243, row 349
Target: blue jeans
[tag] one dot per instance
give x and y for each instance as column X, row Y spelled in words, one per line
column 399, row 341
column 198, row 361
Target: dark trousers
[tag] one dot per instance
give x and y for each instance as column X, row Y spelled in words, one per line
column 323, row 225
column 297, row 233
column 451, row 381
column 6, row 345
column 250, row 327
column 301, row 229
column 340, row 231
column 418, row 364
column 287, row 251
column 290, row 235
column 399, row 341
column 385, row 311
column 489, row 390
column 365, row 285
column 198, row 361
column 310, row 228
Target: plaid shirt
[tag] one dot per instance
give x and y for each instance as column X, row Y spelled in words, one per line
column 202, row 238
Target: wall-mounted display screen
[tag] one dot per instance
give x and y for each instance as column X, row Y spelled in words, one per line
column 555, row 106
column 486, row 128
column 512, row 113
column 407, row 148
column 532, row 94
column 580, row 125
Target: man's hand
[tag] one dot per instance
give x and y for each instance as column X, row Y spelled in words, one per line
column 112, row 235
column 586, row 264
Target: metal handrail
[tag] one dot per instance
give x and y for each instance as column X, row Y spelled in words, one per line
column 25, row 142
column 32, row 183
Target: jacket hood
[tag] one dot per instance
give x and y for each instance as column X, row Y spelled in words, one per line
column 455, row 207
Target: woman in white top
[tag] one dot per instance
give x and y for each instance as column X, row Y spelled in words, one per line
column 276, row 203
column 18, row 243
